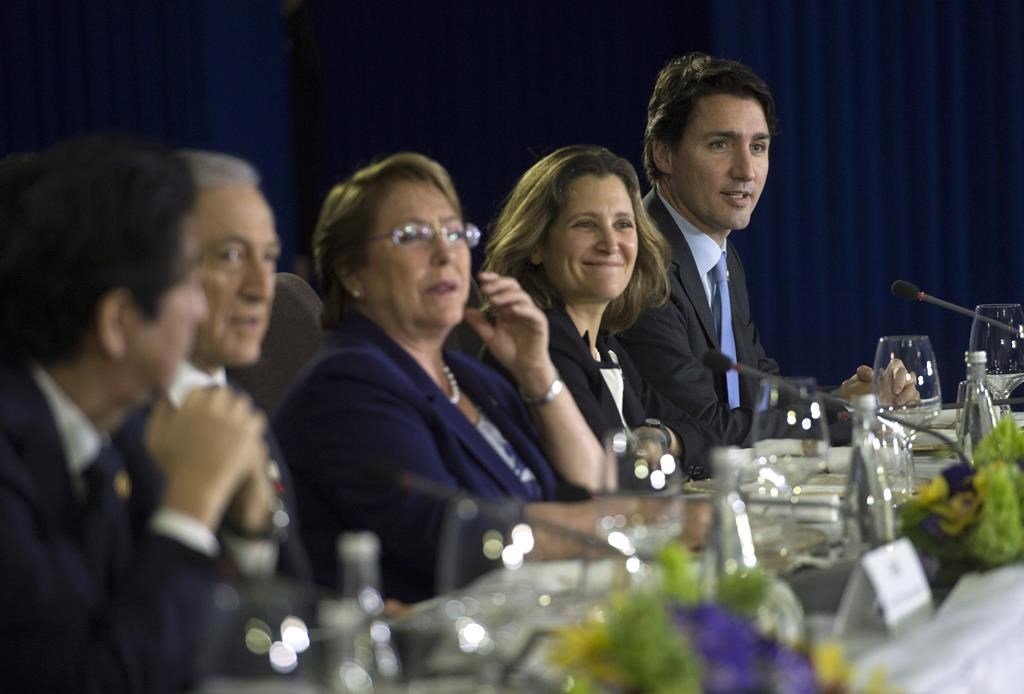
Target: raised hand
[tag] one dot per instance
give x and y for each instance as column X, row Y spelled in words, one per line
column 518, row 339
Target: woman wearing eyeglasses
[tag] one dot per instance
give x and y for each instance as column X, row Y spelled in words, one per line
column 393, row 254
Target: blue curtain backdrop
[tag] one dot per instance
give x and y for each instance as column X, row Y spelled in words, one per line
column 900, row 155
column 193, row 73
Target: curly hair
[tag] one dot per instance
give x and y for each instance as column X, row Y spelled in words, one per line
column 534, row 204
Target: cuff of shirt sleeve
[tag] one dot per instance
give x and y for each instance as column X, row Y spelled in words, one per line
column 185, row 529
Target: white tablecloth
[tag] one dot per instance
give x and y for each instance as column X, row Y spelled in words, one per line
column 974, row 643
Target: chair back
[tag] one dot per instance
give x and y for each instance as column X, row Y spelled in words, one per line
column 292, row 338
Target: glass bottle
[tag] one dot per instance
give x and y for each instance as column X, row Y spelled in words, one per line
column 868, row 516
column 977, row 416
column 730, row 546
column 361, row 657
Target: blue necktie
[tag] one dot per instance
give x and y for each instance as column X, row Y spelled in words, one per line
column 726, row 340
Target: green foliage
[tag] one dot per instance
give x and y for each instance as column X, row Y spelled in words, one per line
column 1004, row 443
column 645, row 645
column 679, row 574
column 743, row 592
column 998, row 537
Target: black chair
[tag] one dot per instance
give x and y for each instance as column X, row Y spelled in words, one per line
column 292, row 338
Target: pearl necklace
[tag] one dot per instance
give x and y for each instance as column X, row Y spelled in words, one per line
column 456, row 394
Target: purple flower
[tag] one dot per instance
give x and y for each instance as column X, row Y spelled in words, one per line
column 736, row 658
column 959, row 477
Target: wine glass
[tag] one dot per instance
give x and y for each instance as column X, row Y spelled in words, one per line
column 1004, row 369
column 790, row 445
column 640, row 509
column 915, row 354
column 637, row 461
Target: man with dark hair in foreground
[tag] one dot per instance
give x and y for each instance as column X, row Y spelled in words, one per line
column 104, row 583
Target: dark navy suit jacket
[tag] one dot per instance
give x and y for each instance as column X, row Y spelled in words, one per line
column 364, row 405
column 61, row 628
column 668, row 343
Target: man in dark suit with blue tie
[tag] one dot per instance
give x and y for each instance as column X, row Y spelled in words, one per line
column 709, row 127
column 104, row 582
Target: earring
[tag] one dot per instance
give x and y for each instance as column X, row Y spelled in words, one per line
column 356, row 293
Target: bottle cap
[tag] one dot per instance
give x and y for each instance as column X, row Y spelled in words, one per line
column 357, row 546
column 978, row 357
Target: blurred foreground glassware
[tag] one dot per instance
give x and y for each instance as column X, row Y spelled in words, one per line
column 915, row 354
column 977, row 416
column 790, row 445
column 1004, row 370
column 361, row 657
column 730, row 544
column 869, row 519
column 638, row 461
column 486, row 606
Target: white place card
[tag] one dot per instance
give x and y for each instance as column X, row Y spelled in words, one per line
column 887, row 590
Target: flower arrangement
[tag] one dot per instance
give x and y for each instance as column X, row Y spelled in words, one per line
column 969, row 518
column 664, row 639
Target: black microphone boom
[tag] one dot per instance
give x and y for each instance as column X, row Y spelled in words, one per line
column 911, row 292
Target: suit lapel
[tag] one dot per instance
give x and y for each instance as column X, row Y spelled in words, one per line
column 436, row 403
column 683, row 266
column 29, row 426
column 471, row 439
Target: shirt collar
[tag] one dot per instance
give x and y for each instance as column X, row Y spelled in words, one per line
column 704, row 249
column 189, row 378
column 80, row 440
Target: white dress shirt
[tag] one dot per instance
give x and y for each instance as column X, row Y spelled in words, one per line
column 82, row 442
column 704, row 249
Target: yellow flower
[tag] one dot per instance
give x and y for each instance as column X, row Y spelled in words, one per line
column 586, row 648
column 935, row 491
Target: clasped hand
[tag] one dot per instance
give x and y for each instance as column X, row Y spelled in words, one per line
column 896, row 387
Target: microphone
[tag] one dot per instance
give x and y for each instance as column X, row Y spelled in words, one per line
column 410, row 482
column 911, row 292
column 720, row 363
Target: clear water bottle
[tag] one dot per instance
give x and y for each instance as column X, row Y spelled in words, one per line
column 361, row 658
column 869, row 519
column 730, row 547
column 977, row 416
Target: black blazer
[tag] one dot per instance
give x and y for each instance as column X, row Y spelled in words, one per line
column 582, row 375
column 62, row 628
column 668, row 343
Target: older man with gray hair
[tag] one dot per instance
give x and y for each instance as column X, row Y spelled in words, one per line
column 238, row 251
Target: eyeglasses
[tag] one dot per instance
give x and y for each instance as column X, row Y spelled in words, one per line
column 422, row 234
